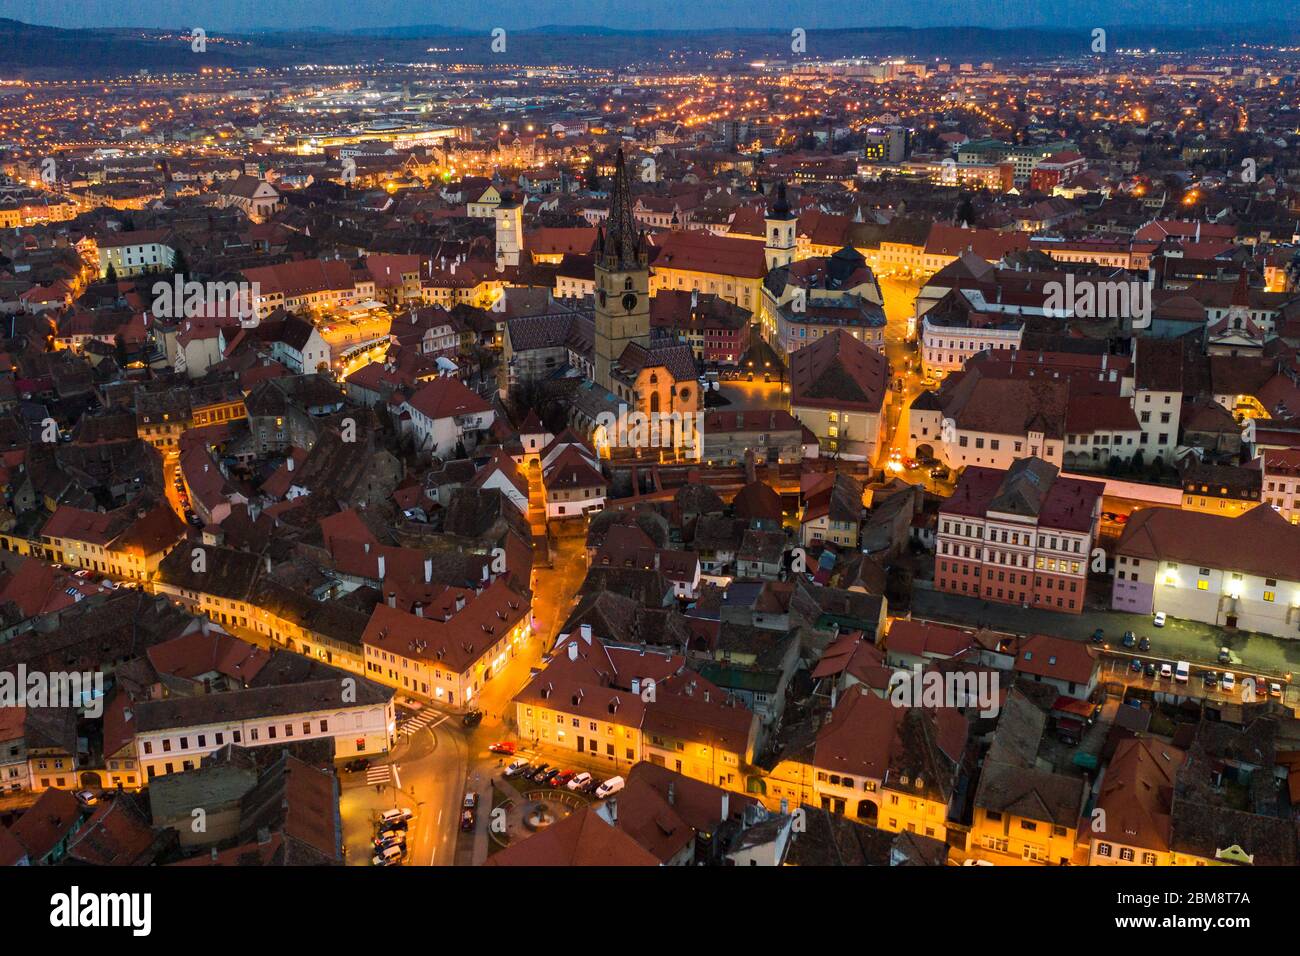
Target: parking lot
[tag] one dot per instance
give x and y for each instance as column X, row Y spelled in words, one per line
column 1190, row 641
column 1117, row 666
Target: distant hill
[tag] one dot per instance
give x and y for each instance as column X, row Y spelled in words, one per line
column 33, row 50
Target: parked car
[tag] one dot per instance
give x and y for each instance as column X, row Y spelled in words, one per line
column 611, row 786
column 388, row 856
column 473, row 718
column 1166, row 672
column 467, row 819
column 562, row 779
column 1160, row 619
column 938, row 472
column 1228, row 682
column 1150, row 669
column 548, row 778
column 1182, row 671
column 1098, row 636
column 1144, row 645
column 397, row 815
column 540, row 772
column 517, row 766
column 1274, row 689
column 387, row 838
column 506, row 747
column 1069, row 731
column 1210, row 679
column 471, row 800
column 87, row 798
column 579, row 781
column 1225, row 656
column 356, row 766
column 1135, row 665
column 1129, row 639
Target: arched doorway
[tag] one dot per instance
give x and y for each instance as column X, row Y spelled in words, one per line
column 91, row 780
column 867, row 811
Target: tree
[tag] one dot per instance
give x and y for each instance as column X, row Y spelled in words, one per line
column 180, row 265
column 965, row 212
column 1135, row 463
column 111, row 274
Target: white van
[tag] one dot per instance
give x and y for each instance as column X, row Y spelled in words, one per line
column 1182, row 670
column 610, row 786
column 396, row 816
column 388, row 855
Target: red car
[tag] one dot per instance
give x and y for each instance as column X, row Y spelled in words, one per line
column 562, row 779
column 506, row 747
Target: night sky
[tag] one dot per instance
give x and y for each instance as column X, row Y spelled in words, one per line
column 235, row 15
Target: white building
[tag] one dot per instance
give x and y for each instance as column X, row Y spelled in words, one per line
column 1241, row 572
column 134, row 253
column 175, row 734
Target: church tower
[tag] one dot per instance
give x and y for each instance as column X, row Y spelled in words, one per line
column 781, row 225
column 622, row 281
column 509, row 215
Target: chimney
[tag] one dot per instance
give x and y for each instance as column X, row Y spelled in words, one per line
column 381, row 567
column 367, row 547
column 419, row 610
column 392, row 599
column 268, row 564
column 636, row 685
column 428, row 570
column 573, row 650
column 672, row 793
column 460, row 602
column 726, row 804
column 585, row 631
column 612, row 805
column 289, row 464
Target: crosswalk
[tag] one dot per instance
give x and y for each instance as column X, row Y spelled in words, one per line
column 416, row 723
column 378, row 775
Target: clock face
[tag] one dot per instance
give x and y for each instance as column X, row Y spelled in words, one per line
column 629, row 301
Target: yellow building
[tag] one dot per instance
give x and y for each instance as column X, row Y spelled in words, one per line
column 1221, row 489
column 649, row 707
column 728, row 267
column 889, row 766
column 1023, row 813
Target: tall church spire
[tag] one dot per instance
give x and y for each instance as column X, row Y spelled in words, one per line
column 621, row 246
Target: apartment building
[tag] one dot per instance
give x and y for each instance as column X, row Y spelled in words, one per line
column 1023, row 535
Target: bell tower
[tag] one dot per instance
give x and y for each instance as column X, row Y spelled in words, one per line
column 780, row 225
column 509, row 216
column 622, row 281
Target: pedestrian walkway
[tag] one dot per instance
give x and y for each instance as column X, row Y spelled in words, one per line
column 415, row 724
column 377, row 775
